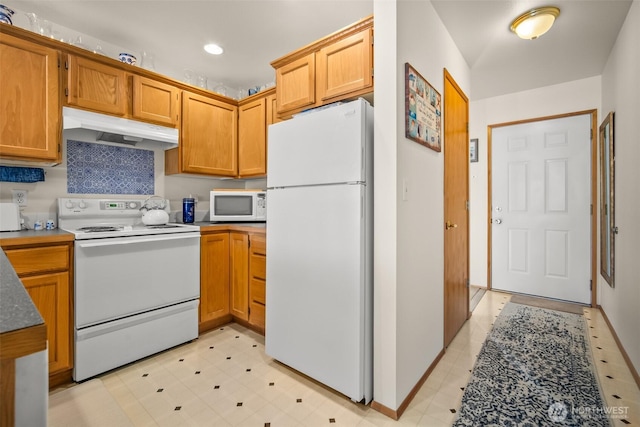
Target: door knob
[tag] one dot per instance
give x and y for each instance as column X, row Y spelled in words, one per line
column 448, row 225
column 497, row 221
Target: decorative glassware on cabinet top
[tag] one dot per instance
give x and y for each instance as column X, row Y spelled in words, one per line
column 6, row 14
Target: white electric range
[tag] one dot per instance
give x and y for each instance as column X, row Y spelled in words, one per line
column 136, row 287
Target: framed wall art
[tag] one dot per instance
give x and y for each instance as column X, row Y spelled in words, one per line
column 473, row 150
column 423, row 110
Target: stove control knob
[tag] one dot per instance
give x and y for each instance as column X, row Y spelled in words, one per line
column 132, row 205
column 82, row 204
column 69, row 204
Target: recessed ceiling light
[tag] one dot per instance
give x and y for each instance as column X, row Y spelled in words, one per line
column 213, row 49
column 534, row 23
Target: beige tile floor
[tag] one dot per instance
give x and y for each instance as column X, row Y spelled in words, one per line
column 225, row 379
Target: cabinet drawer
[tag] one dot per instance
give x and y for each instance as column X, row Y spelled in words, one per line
column 39, row 260
column 257, row 266
column 257, row 291
column 257, row 317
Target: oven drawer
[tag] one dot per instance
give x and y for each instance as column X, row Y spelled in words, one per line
column 39, row 260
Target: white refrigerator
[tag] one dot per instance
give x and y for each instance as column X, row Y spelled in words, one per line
column 319, row 297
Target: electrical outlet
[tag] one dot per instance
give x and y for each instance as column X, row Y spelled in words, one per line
column 20, row 197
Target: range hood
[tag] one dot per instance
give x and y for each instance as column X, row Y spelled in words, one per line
column 117, row 129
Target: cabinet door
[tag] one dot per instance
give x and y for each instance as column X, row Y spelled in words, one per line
column 96, row 86
column 209, row 136
column 272, row 111
column 252, row 138
column 155, row 101
column 239, row 260
column 345, row 66
column 214, row 276
column 29, row 101
column 257, row 280
column 50, row 294
column 295, row 84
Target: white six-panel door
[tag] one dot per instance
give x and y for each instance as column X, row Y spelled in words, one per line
column 541, row 208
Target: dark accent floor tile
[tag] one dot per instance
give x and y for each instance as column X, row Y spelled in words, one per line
column 197, row 372
column 298, row 400
column 272, row 384
column 332, row 420
column 267, row 424
column 610, row 377
column 616, row 396
column 625, row 421
column 145, row 375
column 216, row 387
column 160, row 390
column 228, row 357
column 177, row 408
column 248, row 369
column 453, row 411
column 239, row 404
column 181, row 360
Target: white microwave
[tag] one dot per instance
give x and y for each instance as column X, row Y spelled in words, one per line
column 238, row 205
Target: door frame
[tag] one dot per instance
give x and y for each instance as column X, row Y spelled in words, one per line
column 448, row 333
column 594, row 191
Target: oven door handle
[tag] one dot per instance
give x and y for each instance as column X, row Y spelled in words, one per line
column 133, row 240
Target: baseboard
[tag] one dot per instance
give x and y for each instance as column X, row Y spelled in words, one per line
column 397, row 413
column 626, row 357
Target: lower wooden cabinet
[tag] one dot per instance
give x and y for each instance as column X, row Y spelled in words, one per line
column 232, row 279
column 257, row 280
column 214, row 279
column 45, row 272
column 239, row 261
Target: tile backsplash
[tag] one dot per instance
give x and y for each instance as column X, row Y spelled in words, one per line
column 105, row 169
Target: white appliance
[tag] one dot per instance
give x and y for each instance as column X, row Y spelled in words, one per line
column 9, row 216
column 238, row 205
column 319, row 244
column 136, row 287
column 117, row 129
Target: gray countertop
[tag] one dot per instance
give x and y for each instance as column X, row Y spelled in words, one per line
column 17, row 311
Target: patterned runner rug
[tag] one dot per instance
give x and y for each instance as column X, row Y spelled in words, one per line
column 534, row 369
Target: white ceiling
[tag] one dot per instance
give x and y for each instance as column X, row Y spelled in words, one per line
column 256, row 32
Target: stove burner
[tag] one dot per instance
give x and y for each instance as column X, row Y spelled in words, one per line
column 99, row 228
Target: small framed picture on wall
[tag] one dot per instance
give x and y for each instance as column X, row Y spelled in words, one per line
column 473, row 150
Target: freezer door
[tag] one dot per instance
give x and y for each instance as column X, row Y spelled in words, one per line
column 327, row 146
column 317, row 283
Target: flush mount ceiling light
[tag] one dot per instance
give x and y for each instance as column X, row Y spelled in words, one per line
column 534, row 23
column 213, row 49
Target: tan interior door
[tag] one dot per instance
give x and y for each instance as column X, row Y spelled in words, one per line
column 456, row 214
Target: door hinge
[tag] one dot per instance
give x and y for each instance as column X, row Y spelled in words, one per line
column 591, row 134
column 66, row 91
column 66, row 65
column 591, row 208
column 466, row 204
column 371, row 71
column 467, row 282
column 58, row 62
column 590, row 285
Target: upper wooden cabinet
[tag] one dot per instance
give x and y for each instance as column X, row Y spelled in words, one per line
column 30, row 128
column 337, row 67
column 296, row 84
column 252, row 138
column 96, row 86
column 208, row 138
column 345, row 67
column 155, row 101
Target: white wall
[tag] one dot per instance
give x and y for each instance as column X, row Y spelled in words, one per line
column 621, row 94
column 409, row 264
column 579, row 95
